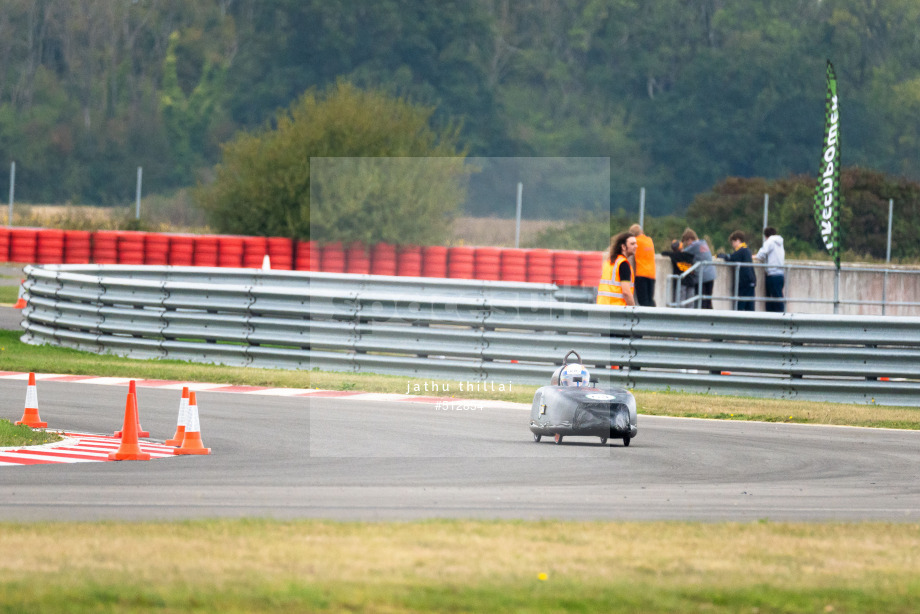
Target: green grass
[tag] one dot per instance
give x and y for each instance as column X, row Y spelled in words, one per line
column 13, row 435
column 567, row 596
column 9, row 295
column 458, row 566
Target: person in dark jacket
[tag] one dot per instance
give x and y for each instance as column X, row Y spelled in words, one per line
column 680, row 262
column 745, row 274
column 702, row 254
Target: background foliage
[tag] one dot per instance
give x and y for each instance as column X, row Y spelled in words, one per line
column 371, row 150
column 678, row 94
column 737, row 204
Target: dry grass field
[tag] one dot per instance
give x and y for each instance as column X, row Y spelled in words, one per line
column 497, row 232
column 178, row 214
column 75, row 217
column 175, row 213
column 458, row 566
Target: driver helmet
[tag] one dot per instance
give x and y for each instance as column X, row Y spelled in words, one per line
column 574, row 375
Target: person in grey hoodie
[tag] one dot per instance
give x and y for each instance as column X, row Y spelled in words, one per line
column 774, row 255
column 701, row 253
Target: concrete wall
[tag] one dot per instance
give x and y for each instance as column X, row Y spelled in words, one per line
column 805, row 284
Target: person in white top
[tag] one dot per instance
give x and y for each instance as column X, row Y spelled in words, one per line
column 774, row 255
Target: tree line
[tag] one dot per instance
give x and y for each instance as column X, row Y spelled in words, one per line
column 679, row 94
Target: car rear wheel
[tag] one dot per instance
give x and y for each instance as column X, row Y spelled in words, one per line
column 537, row 438
column 603, row 441
column 626, row 441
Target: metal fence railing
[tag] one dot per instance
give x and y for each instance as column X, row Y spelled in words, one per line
column 464, row 330
column 881, row 290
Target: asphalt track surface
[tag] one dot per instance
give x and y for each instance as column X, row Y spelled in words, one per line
column 10, row 318
column 348, row 460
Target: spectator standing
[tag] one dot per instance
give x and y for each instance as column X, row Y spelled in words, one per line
column 645, row 267
column 701, row 253
column 680, row 262
column 774, row 255
column 616, row 285
column 745, row 274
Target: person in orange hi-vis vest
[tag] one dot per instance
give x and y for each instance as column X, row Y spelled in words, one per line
column 645, row 267
column 616, row 285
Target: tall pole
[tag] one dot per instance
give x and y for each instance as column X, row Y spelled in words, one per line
column 837, row 289
column 837, row 280
column 517, row 226
column 887, row 256
column 642, row 207
column 766, row 208
column 137, row 206
column 890, row 215
column 9, row 221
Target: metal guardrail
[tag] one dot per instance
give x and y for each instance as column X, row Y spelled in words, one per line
column 465, row 330
column 344, row 282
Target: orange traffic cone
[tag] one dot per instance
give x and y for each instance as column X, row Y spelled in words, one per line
column 132, row 389
column 30, row 416
column 129, row 448
column 191, row 443
column 21, row 300
column 180, row 424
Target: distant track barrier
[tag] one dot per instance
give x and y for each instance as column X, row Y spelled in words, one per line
column 464, row 330
column 50, row 246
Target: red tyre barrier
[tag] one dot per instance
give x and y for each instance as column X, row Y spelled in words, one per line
column 540, row 266
column 590, row 266
column 130, row 239
column 332, row 259
column 281, row 253
column 49, row 247
column 434, row 261
column 4, row 244
column 77, row 246
column 230, row 251
column 131, row 256
column 131, row 247
column 307, row 254
column 409, row 261
column 540, row 275
column 460, row 262
column 23, row 242
column 487, row 263
column 254, row 251
column 206, row 250
column 384, row 251
column 566, row 268
column 105, row 247
column 513, row 264
column 383, row 259
column 181, row 250
column 357, row 259
column 156, row 248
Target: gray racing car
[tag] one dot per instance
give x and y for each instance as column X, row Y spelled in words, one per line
column 570, row 405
